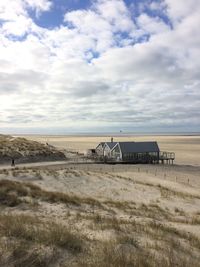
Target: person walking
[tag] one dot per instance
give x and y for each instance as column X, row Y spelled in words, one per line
column 12, row 163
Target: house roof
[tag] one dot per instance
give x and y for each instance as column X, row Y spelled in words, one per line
column 111, row 144
column 102, row 144
column 138, row 147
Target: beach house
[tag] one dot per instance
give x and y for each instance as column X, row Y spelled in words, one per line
column 137, row 152
column 104, row 148
column 129, row 151
column 100, row 149
column 133, row 152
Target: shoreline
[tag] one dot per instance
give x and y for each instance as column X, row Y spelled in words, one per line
column 108, row 134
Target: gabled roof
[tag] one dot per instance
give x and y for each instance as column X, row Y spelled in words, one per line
column 102, row 144
column 111, row 144
column 138, row 147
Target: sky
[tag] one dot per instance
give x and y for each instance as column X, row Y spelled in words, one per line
column 99, row 66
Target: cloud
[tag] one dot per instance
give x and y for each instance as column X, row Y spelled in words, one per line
column 151, row 25
column 15, row 15
column 178, row 11
column 18, row 27
column 116, row 13
column 105, row 66
column 38, row 5
column 102, row 23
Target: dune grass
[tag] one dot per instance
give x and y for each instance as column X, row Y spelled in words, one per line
column 12, row 193
column 30, row 241
column 140, row 234
column 23, row 150
column 34, row 230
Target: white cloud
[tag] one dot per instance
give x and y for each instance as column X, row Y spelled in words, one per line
column 92, row 25
column 151, row 25
column 116, row 13
column 18, row 27
column 93, row 70
column 14, row 8
column 15, row 15
column 102, row 22
column 38, row 5
column 179, row 10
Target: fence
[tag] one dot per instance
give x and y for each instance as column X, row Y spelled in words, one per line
column 173, row 173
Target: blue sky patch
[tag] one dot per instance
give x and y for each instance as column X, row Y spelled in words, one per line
column 54, row 17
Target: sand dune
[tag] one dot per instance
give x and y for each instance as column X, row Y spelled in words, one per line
column 101, row 215
column 116, row 207
column 23, row 150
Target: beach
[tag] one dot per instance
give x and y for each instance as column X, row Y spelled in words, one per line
column 186, row 147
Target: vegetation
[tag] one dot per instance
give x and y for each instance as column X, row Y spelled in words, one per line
column 12, row 193
column 69, row 230
column 29, row 241
column 23, row 150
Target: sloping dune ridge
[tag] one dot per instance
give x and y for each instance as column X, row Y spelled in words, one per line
column 23, row 150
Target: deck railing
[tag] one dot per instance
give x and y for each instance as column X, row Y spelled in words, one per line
column 163, row 155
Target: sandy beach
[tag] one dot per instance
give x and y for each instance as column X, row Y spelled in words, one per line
column 186, row 148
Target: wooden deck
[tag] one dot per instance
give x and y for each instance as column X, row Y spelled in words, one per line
column 166, row 157
column 162, row 157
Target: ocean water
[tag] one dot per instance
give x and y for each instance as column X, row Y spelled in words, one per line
column 114, row 134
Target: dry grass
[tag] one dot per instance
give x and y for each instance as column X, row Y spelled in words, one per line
column 168, row 192
column 163, row 246
column 152, row 211
column 149, row 211
column 12, row 193
column 24, row 150
column 29, row 241
column 139, row 234
column 35, row 242
column 105, row 223
column 127, row 253
column 20, row 254
column 34, row 230
column 165, row 191
column 162, row 230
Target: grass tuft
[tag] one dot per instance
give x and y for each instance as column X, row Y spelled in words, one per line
column 13, row 191
column 34, row 230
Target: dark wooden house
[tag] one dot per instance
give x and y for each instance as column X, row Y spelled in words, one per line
column 136, row 152
column 133, row 152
